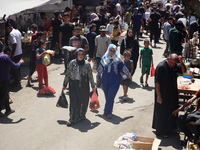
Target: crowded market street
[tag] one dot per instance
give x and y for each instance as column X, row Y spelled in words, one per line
column 38, row 124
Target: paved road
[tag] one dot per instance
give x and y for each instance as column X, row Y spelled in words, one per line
column 38, row 124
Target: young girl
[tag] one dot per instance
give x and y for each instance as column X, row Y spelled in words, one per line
column 41, row 68
column 129, row 64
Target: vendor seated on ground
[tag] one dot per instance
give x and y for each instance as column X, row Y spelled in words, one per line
column 194, row 116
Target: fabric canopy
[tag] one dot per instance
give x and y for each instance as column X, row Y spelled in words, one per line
column 10, row 7
column 86, row 2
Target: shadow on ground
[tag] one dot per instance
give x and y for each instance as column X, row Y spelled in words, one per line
column 6, row 120
column 148, row 88
column 82, row 126
column 115, row 119
column 129, row 100
column 134, row 85
column 173, row 140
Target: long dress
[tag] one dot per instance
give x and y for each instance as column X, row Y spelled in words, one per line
column 163, row 120
column 78, row 77
column 111, row 81
column 127, row 43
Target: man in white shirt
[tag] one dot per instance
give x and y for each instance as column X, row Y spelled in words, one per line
column 102, row 42
column 119, row 8
column 15, row 44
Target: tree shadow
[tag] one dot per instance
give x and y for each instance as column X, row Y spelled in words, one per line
column 134, row 85
column 6, row 120
column 82, row 126
column 173, row 140
column 129, row 100
column 115, row 119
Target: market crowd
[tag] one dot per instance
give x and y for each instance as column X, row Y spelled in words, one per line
column 95, row 34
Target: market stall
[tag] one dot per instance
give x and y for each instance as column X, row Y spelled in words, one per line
column 187, row 89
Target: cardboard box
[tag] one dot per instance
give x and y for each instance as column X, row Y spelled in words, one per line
column 144, row 143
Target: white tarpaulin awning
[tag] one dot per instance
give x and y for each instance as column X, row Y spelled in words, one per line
column 10, row 7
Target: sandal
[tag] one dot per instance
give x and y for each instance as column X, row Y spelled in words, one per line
column 69, row 123
column 125, row 98
column 146, row 85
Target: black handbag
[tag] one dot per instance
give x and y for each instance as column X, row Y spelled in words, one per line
column 62, row 101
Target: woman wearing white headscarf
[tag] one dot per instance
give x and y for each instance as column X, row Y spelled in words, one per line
column 110, row 68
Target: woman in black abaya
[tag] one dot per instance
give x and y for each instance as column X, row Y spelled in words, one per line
column 131, row 45
column 79, row 75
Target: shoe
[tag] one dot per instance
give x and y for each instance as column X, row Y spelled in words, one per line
column 141, row 80
column 10, row 112
column 146, row 85
column 109, row 116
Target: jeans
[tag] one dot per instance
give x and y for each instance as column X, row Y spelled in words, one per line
column 136, row 31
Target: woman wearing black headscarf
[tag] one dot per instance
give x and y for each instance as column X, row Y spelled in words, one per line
column 131, row 45
column 78, row 75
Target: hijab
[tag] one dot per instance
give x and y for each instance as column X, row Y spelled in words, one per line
column 108, row 60
column 129, row 38
column 80, row 62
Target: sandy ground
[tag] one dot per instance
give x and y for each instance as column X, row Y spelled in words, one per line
column 38, row 124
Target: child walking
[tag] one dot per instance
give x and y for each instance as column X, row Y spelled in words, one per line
column 41, row 68
column 126, row 81
column 116, row 32
column 147, row 60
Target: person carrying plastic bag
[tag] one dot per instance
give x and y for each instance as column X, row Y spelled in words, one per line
column 78, row 76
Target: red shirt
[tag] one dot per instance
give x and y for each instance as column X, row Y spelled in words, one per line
column 34, row 37
column 198, row 95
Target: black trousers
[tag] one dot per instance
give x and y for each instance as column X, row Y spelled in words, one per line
column 183, row 120
column 154, row 32
column 16, row 72
column 4, row 95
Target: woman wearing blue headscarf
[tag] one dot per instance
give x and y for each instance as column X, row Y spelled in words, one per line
column 110, row 68
column 78, row 75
